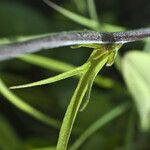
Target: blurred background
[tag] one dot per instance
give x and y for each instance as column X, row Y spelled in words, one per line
column 20, row 131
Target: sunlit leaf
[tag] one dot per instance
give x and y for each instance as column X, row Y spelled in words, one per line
column 97, row 61
column 135, row 67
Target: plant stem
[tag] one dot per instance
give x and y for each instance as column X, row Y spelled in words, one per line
column 73, row 16
column 97, row 60
column 92, row 10
column 103, row 120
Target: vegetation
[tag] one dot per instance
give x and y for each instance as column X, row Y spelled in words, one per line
column 109, row 107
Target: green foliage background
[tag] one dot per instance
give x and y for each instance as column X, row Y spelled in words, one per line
column 126, row 81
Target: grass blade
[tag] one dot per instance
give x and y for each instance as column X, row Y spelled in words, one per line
column 19, row 103
column 87, row 96
column 53, row 79
column 92, row 10
column 70, row 115
column 73, row 16
column 47, row 63
column 82, row 20
column 130, row 132
column 99, row 124
column 59, row 66
column 96, row 63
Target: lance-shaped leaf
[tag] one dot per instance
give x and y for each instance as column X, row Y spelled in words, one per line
column 19, row 103
column 56, row 78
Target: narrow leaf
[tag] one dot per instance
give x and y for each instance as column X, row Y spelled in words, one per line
column 59, row 66
column 59, row 77
column 19, row 103
column 96, row 64
column 73, row 16
column 114, row 113
column 92, row 10
column 87, row 96
column 48, row 63
column 70, row 115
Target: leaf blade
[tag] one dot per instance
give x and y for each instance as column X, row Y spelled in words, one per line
column 60, row 66
column 19, row 103
column 56, row 78
column 73, row 16
column 136, row 75
column 99, row 124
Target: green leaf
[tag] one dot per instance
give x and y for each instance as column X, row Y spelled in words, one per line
column 87, row 96
column 59, row 66
column 82, row 20
column 81, row 5
column 71, row 113
column 59, row 77
column 103, row 120
column 136, row 72
column 92, row 10
column 47, row 63
column 73, row 16
column 147, row 46
column 19, row 103
column 97, row 60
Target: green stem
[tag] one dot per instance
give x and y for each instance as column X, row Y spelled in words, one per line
column 97, row 60
column 71, row 114
column 99, row 124
column 92, row 10
column 73, row 16
column 59, row 66
column 56, row 78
